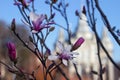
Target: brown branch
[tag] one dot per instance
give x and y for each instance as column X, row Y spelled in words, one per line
column 78, row 75
column 106, row 21
column 93, row 26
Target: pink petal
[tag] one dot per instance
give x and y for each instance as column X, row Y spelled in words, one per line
column 65, row 62
column 33, row 16
column 34, row 31
column 60, row 46
column 52, row 57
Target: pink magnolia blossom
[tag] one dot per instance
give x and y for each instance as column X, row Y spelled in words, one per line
column 64, row 54
column 11, row 51
column 38, row 22
column 77, row 44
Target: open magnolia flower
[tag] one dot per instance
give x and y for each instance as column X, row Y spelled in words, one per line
column 37, row 22
column 64, row 54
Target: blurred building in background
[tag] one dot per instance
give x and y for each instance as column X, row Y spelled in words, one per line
column 87, row 61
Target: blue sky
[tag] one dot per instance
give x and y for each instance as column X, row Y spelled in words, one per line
column 111, row 8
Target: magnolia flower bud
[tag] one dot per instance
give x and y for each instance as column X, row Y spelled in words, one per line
column 118, row 32
column 52, row 16
column 11, row 51
column 67, row 5
column 59, row 5
column 13, row 25
column 51, row 29
column 76, row 13
column 77, row 44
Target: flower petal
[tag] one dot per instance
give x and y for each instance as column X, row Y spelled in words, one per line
column 74, row 62
column 52, row 57
column 65, row 62
column 68, row 48
column 34, row 16
column 34, row 31
column 41, row 17
column 39, row 20
column 60, row 46
column 75, row 53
